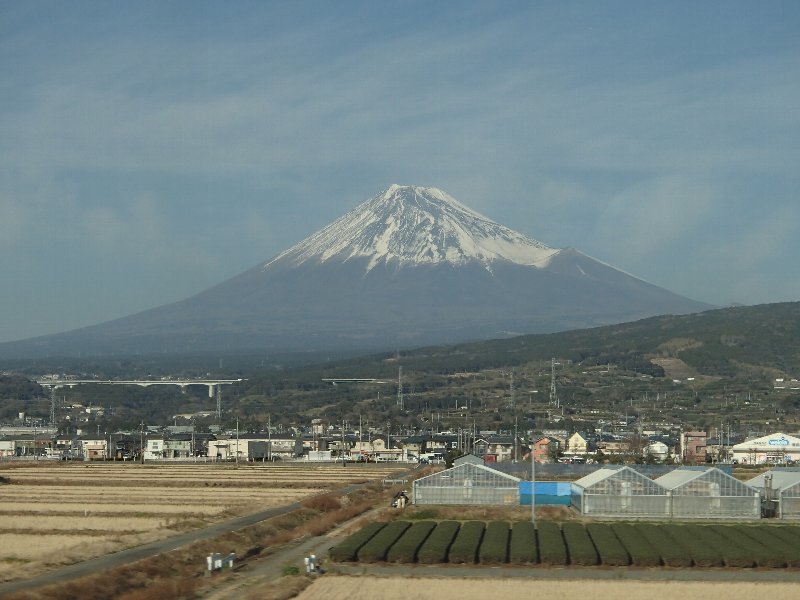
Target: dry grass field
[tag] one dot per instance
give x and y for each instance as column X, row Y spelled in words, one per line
column 54, row 513
column 402, row 588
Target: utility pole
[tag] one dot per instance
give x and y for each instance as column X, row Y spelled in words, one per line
column 219, row 404
column 237, row 442
column 269, row 437
column 511, row 399
column 52, row 406
column 533, row 487
column 344, row 460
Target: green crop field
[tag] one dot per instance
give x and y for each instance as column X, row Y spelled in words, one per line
column 571, row 543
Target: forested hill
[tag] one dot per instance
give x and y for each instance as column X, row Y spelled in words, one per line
column 730, row 342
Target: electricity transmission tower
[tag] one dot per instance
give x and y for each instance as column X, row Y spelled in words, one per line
column 553, row 393
column 400, row 388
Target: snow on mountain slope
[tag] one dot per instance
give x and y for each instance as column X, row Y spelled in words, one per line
column 414, row 226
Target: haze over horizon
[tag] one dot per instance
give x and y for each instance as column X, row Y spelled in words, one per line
column 152, row 150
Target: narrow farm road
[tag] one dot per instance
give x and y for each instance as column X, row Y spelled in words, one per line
column 130, row 555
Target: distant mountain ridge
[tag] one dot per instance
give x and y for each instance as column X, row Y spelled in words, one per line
column 410, row 266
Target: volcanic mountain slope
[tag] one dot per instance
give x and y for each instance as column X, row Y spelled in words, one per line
column 410, row 266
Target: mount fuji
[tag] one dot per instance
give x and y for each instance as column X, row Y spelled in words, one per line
column 411, row 266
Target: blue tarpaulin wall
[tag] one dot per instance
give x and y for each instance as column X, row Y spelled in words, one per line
column 547, row 492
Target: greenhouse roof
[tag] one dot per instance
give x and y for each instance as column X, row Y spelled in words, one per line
column 467, row 468
column 680, row 477
column 611, row 472
column 780, row 479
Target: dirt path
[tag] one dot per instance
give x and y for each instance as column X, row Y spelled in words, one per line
column 130, row 555
column 263, row 570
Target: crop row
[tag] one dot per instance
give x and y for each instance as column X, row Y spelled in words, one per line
column 572, row 543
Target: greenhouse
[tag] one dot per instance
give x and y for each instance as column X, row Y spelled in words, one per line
column 619, row 492
column 709, row 493
column 467, row 483
column 780, row 491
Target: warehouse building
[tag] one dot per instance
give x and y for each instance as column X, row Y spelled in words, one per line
column 775, row 449
column 619, row 492
column 709, row 493
column 467, row 483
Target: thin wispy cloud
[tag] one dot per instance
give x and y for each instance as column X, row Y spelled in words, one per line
column 184, row 142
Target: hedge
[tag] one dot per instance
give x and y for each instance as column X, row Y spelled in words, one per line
column 579, row 545
column 766, row 538
column 612, row 552
column 435, row 548
column 552, row 549
column 640, row 550
column 751, row 550
column 672, row 553
column 375, row 550
column 348, row 549
column 405, row 549
column 465, row 546
column 494, row 548
column 733, row 554
column 786, row 539
column 522, row 550
column 702, row 554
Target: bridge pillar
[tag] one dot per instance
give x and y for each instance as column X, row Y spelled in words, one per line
column 211, row 390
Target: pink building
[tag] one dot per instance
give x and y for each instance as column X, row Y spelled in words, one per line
column 542, row 450
column 693, row 447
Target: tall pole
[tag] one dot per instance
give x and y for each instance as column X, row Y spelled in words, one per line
column 237, row 442
column 533, row 485
column 52, row 407
column 344, row 460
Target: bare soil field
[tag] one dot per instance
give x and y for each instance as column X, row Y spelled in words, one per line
column 423, row 588
column 54, row 513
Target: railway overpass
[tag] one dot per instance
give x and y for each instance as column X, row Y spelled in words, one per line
column 212, row 384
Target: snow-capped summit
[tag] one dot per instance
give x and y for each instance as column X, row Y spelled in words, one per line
column 412, row 225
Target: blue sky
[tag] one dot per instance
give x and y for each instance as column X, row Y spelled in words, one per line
column 149, row 150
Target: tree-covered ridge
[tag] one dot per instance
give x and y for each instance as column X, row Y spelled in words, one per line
column 718, row 342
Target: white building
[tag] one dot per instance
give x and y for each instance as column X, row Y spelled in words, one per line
column 776, row 448
column 577, row 445
column 658, row 450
